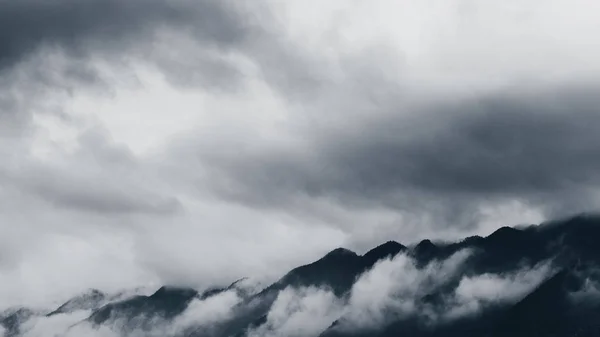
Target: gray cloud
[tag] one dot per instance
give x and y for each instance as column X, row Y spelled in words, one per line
column 450, row 156
column 104, row 197
column 75, row 25
column 101, row 177
column 51, row 47
column 353, row 128
column 192, row 42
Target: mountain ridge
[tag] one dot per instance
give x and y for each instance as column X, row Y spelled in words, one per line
column 564, row 244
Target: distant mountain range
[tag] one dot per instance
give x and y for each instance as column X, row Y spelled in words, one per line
column 531, row 281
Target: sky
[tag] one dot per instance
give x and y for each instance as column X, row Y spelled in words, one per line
column 196, row 142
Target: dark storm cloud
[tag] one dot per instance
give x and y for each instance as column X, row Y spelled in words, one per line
column 102, row 194
column 507, row 144
column 193, row 43
column 53, row 47
column 540, row 148
column 104, row 199
column 28, row 25
column 117, row 32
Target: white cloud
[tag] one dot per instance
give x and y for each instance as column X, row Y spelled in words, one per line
column 54, row 325
column 207, row 312
column 62, row 265
column 476, row 292
column 590, row 289
column 300, row 313
column 393, row 289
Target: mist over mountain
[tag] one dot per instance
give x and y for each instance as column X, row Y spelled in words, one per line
column 299, row 168
column 539, row 280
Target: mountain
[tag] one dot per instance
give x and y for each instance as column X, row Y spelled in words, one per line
column 385, row 251
column 539, row 280
column 549, row 310
column 12, row 319
column 87, row 301
column 336, row 271
column 166, row 302
column 145, row 312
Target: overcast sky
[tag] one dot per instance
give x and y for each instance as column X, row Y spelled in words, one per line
column 195, row 142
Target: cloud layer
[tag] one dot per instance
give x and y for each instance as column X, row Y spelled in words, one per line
column 196, row 142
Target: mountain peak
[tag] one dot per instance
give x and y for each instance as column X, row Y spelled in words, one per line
column 337, row 270
column 91, row 299
column 165, row 291
column 12, row 319
column 219, row 290
column 425, row 245
column 339, row 252
column 425, row 251
column 504, row 232
column 383, row 251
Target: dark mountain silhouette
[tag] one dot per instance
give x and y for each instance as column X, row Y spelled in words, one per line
column 426, row 251
column 557, row 306
column 165, row 303
column 12, row 319
column 336, row 270
column 549, row 310
column 144, row 312
column 339, row 268
column 88, row 301
column 384, row 251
